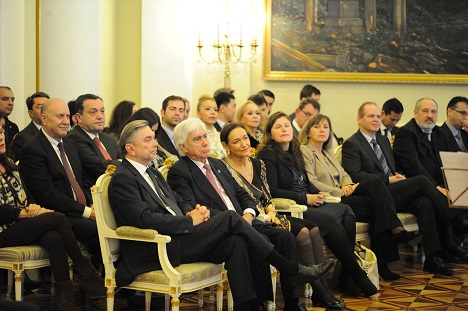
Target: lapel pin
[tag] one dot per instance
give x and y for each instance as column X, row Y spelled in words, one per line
column 219, row 171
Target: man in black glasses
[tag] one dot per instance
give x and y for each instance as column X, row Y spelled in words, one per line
column 456, row 125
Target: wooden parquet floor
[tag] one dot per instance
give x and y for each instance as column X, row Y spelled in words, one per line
column 416, row 290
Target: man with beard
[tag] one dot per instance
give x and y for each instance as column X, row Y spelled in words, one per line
column 417, row 144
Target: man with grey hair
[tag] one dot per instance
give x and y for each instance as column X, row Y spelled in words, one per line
column 53, row 174
column 199, row 179
column 140, row 197
column 417, row 147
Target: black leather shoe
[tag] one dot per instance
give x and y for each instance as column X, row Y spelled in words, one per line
column 308, row 274
column 437, row 265
column 295, row 307
column 404, row 237
column 459, row 252
column 31, row 284
column 447, row 257
column 338, row 304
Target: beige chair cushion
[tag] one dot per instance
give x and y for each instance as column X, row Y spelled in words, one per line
column 407, row 219
column 23, row 253
column 191, row 273
column 362, row 228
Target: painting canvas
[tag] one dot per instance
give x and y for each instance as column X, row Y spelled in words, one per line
column 399, row 41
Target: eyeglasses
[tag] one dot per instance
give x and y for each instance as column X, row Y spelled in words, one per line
column 308, row 114
column 463, row 113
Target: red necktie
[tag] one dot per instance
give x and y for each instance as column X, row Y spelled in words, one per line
column 76, row 187
column 101, row 148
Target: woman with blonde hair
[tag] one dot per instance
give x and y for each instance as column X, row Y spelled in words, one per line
column 207, row 112
column 249, row 115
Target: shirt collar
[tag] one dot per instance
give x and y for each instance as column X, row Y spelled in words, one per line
column 200, row 164
column 368, row 138
column 168, row 131
column 296, row 125
column 91, row 135
column 138, row 166
column 452, row 129
column 52, row 141
column 37, row 125
column 221, row 123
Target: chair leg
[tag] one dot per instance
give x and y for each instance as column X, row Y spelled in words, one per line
column 230, row 299
column 147, row 301
column 212, row 299
column 167, row 301
column 175, row 302
column 18, row 285
column 110, row 299
column 200, row 298
column 10, row 284
column 219, row 297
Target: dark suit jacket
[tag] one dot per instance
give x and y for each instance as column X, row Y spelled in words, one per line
column 22, row 138
column 11, row 129
column 191, row 184
column 416, row 155
column 136, row 204
column 360, row 161
column 166, row 143
column 217, row 126
column 46, row 178
column 92, row 160
column 452, row 140
column 280, row 177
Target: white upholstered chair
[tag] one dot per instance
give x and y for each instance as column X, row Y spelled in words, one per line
column 16, row 260
column 170, row 280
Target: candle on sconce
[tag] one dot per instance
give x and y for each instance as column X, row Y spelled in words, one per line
column 240, row 33
column 218, row 32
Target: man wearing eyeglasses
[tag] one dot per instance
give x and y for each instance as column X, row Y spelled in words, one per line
column 456, row 125
column 306, row 110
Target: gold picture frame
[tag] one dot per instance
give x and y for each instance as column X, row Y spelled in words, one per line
column 307, row 68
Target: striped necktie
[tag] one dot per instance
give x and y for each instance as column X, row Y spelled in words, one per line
column 381, row 157
column 460, row 142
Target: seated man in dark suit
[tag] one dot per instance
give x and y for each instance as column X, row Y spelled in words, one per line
column 140, row 197
column 53, row 175
column 7, row 103
column 199, row 179
column 368, row 155
column 172, row 112
column 226, row 103
column 417, row 144
column 392, row 110
column 456, row 125
column 34, row 104
column 96, row 149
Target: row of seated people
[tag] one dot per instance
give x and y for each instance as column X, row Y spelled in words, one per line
column 54, row 168
column 90, row 114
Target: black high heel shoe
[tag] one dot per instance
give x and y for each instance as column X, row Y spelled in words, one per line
column 348, row 285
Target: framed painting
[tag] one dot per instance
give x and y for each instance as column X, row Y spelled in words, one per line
column 392, row 41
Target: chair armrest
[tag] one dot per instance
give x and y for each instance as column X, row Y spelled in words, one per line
column 289, row 206
column 150, row 235
column 142, row 235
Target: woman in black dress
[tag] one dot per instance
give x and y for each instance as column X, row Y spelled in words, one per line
column 287, row 178
column 250, row 173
